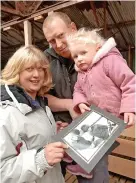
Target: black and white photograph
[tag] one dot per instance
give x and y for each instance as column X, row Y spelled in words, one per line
column 90, row 136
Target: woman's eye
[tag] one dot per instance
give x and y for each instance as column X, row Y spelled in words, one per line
column 29, row 69
column 40, row 69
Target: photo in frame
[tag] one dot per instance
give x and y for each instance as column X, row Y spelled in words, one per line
column 90, row 136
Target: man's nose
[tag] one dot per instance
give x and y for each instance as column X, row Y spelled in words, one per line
column 59, row 43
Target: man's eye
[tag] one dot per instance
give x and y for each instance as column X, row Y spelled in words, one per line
column 61, row 35
column 52, row 41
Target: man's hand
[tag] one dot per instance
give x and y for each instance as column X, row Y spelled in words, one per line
column 129, row 118
column 83, row 108
column 69, row 106
column 61, row 125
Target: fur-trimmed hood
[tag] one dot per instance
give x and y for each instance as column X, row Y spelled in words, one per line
column 104, row 50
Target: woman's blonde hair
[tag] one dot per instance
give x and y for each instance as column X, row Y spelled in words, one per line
column 83, row 36
column 24, row 56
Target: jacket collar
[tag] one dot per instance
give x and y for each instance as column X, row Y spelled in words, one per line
column 51, row 52
column 69, row 64
column 16, row 96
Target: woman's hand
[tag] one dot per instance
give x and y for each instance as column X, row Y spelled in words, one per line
column 54, row 152
column 129, row 118
column 83, row 108
column 61, row 125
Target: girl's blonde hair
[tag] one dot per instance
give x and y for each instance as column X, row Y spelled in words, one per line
column 83, row 36
column 26, row 55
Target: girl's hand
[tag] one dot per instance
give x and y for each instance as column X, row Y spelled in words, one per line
column 54, row 152
column 61, row 125
column 129, row 118
column 83, row 107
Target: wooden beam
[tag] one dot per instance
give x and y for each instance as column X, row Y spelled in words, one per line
column 38, row 3
column 94, row 12
column 10, row 10
column 112, row 17
column 55, row 7
column 120, row 24
column 27, row 32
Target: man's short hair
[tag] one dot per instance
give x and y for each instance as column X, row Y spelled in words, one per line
column 54, row 15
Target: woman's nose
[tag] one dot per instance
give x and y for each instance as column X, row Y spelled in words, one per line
column 35, row 73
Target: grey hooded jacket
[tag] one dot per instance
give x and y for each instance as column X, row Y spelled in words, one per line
column 25, row 127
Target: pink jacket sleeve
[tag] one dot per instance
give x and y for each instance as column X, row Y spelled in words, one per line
column 78, row 97
column 125, row 79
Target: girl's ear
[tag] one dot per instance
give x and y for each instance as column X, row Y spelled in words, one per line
column 98, row 46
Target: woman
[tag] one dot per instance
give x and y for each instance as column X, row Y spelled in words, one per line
column 26, row 122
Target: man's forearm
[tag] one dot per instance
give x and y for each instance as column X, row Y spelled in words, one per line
column 57, row 104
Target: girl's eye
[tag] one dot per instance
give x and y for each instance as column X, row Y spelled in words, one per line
column 83, row 52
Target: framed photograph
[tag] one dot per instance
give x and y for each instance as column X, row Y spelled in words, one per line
column 90, row 136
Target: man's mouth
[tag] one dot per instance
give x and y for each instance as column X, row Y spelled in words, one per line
column 62, row 50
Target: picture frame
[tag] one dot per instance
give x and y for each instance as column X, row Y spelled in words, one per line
column 90, row 136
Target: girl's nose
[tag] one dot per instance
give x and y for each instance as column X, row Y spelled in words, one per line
column 79, row 58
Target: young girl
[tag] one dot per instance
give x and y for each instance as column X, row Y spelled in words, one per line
column 104, row 79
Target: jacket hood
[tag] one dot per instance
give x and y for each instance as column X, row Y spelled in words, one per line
column 104, row 50
column 15, row 96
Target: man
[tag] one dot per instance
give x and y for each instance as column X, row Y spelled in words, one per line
column 55, row 27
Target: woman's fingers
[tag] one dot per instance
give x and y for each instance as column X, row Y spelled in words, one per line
column 55, row 151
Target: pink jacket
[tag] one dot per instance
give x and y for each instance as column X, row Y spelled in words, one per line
column 109, row 83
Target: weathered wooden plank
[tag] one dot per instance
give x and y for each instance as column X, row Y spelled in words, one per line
column 114, row 178
column 126, row 148
column 122, row 180
column 71, row 179
column 67, row 177
column 122, row 166
column 129, row 132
